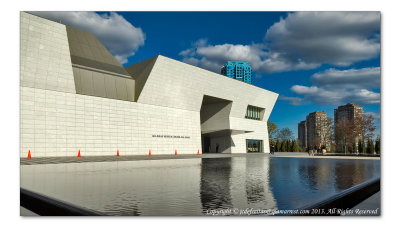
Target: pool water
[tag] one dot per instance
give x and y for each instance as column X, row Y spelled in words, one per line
column 197, row 186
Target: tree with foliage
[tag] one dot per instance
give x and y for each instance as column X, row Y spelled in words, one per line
column 294, row 146
column 284, row 147
column 277, row 146
column 361, row 147
column 287, row 145
column 370, row 146
column 378, row 145
column 272, row 131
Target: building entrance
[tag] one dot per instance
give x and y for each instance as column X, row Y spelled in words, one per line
column 254, row 146
column 206, row 144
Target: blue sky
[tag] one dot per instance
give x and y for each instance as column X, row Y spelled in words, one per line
column 315, row 61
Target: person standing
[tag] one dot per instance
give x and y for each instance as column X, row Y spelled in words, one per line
column 272, row 149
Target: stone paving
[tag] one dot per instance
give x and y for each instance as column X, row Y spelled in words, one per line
column 55, row 160
column 305, row 155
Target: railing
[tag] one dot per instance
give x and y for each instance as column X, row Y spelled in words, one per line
column 333, row 206
column 44, row 205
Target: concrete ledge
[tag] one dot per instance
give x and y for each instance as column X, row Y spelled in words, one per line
column 369, row 207
column 343, row 202
column 44, row 205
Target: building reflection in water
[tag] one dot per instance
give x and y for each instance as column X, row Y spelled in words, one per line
column 255, row 180
column 215, row 183
column 315, row 174
column 238, row 182
column 349, row 173
column 296, row 182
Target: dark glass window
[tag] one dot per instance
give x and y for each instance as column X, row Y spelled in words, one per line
column 253, row 113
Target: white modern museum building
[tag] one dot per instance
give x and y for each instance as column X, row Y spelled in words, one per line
column 74, row 95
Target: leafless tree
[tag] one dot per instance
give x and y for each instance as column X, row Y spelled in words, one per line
column 344, row 134
column 349, row 132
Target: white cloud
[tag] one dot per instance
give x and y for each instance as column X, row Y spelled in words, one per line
column 336, row 38
column 351, row 78
column 302, row 40
column 335, row 87
column 118, row 35
column 293, row 100
column 212, row 57
column 322, row 96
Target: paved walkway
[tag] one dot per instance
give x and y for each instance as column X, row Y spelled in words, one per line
column 305, row 155
column 55, row 160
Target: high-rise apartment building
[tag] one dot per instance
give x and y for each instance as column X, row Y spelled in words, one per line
column 318, row 129
column 349, row 112
column 302, row 133
column 315, row 130
column 237, row 70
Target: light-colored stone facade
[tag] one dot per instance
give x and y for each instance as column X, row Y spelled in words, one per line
column 59, row 124
column 44, row 55
column 160, row 109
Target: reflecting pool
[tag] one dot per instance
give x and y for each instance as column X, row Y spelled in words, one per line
column 197, row 186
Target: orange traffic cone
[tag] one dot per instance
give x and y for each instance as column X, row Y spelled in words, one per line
column 79, row 153
column 176, row 153
column 117, row 152
column 29, row 154
column 198, row 153
column 149, row 152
